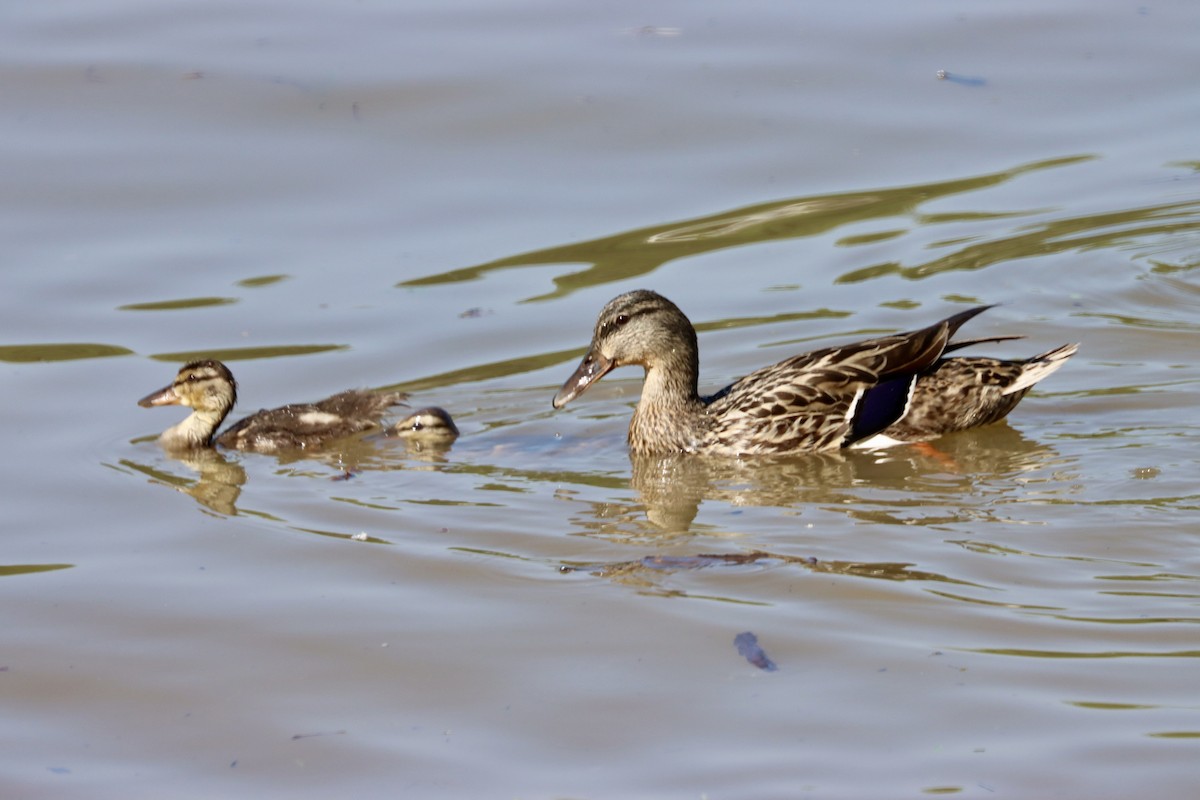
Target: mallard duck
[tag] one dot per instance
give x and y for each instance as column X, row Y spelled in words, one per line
column 208, row 388
column 430, row 425
column 873, row 393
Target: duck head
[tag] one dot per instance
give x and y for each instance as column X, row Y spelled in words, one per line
column 432, row 425
column 208, row 388
column 639, row 327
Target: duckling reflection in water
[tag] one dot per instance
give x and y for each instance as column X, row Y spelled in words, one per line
column 209, row 389
column 217, row 483
column 868, row 394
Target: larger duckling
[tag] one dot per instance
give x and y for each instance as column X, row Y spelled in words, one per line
column 208, row 388
column 873, row 393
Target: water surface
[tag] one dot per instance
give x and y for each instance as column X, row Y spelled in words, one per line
column 439, row 198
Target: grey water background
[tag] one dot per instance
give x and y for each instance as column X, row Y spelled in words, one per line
column 439, row 197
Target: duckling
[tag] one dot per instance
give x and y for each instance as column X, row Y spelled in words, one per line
column 431, row 425
column 872, row 393
column 208, row 388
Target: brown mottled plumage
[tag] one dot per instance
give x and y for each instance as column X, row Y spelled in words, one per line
column 872, row 393
column 967, row 392
column 208, row 388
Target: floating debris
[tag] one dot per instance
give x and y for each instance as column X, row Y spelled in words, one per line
column 747, row 646
column 964, row 80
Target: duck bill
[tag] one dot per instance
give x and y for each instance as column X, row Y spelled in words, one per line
column 593, row 367
column 165, row 396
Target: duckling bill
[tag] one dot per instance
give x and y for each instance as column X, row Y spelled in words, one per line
column 872, row 393
column 209, row 389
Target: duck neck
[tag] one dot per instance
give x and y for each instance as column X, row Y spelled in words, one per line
column 195, row 431
column 670, row 414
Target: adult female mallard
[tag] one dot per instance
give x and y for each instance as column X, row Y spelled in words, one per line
column 208, row 388
column 873, row 393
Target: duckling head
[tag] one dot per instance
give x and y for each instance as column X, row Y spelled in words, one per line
column 432, row 425
column 208, row 388
column 201, row 385
column 639, row 327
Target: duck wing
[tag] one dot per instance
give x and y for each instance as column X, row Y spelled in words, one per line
column 960, row 393
column 829, row 398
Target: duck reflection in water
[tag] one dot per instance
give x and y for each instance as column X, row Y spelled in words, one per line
column 956, row 482
column 650, row 574
column 217, row 485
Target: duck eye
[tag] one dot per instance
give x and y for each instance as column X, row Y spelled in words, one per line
column 614, row 324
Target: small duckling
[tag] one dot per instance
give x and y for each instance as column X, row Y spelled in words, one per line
column 431, row 425
column 208, row 388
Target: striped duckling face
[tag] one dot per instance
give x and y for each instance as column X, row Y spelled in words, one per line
column 206, row 386
column 432, row 425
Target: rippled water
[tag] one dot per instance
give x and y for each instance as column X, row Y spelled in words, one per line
column 439, row 198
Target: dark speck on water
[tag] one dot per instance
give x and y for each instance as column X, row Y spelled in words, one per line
column 747, row 646
column 964, row 80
